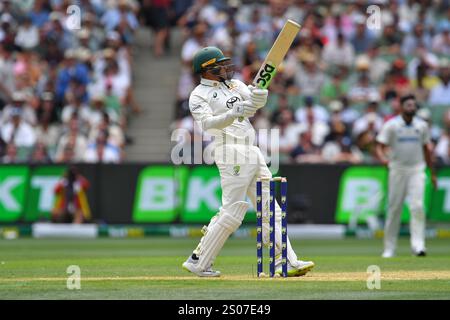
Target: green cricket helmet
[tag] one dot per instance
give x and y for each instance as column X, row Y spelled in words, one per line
column 207, row 56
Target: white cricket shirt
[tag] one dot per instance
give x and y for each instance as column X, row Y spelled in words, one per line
column 212, row 98
column 406, row 142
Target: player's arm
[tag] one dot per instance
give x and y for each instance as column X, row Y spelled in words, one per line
column 257, row 96
column 202, row 113
column 427, row 151
column 428, row 155
column 381, row 147
column 381, row 153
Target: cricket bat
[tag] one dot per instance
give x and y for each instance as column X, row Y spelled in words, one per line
column 276, row 55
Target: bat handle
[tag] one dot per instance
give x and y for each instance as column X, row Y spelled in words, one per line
column 242, row 118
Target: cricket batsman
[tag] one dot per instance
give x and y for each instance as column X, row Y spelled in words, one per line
column 221, row 106
column 408, row 139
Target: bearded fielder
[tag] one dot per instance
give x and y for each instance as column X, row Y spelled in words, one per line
column 216, row 104
column 409, row 141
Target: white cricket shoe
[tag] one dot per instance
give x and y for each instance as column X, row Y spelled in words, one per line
column 302, row 268
column 388, row 254
column 191, row 266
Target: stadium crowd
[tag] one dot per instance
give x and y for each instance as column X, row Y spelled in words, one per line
column 343, row 76
column 65, row 84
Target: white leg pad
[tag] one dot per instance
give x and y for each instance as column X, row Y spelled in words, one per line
column 227, row 223
column 204, row 232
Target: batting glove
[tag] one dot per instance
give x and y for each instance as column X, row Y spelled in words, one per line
column 258, row 97
column 244, row 109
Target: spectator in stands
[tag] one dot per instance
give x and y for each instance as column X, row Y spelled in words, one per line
column 76, row 105
column 335, row 87
column 157, row 17
column 82, row 39
column 305, row 151
column 289, row 131
column 19, row 105
column 260, row 120
column 54, row 30
column 339, row 53
column 101, row 151
column 52, row 55
column 95, row 33
column 318, row 111
column 195, row 42
column 413, row 40
column 442, row 150
column 39, row 14
column 441, row 41
column 363, row 38
column 48, row 128
column 27, row 35
column 366, row 128
column 408, row 13
column 7, row 34
column 348, row 114
column 363, row 90
column 309, row 78
column 112, row 131
column 48, row 134
column 282, row 104
column 17, row 131
column 74, row 138
column 96, row 111
column 440, row 94
column 40, row 154
column 68, row 154
column 7, row 85
column 2, row 147
column 338, row 146
column 394, row 103
column 71, row 203
column 10, row 154
column 121, row 17
column 390, row 40
column 317, row 126
column 435, row 130
column 72, row 70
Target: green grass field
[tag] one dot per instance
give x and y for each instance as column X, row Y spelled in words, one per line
column 150, row 268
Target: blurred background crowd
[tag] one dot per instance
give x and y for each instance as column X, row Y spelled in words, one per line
column 65, row 84
column 343, row 76
column 66, row 94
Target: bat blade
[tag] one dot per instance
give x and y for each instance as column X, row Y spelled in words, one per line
column 276, row 55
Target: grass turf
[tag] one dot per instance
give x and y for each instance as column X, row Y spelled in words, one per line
column 150, row 268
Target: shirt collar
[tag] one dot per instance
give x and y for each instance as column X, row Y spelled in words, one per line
column 214, row 83
column 210, row 83
column 404, row 122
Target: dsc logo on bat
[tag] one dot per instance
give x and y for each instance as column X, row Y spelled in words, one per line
column 266, row 74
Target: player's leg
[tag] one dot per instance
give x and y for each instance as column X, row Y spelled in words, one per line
column 204, row 230
column 416, row 188
column 397, row 192
column 78, row 216
column 296, row 267
column 234, row 184
column 233, row 189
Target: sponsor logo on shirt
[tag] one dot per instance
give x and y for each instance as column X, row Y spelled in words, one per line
column 232, row 101
column 407, row 139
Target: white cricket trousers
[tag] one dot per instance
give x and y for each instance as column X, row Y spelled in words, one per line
column 238, row 180
column 405, row 185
